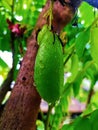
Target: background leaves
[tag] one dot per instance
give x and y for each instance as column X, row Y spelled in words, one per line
column 80, row 60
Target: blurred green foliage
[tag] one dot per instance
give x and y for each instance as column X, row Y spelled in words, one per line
column 80, row 58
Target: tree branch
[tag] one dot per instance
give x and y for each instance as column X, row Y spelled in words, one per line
column 22, row 108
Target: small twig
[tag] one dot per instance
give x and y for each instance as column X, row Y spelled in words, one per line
column 48, row 116
column 71, row 50
column 91, row 92
column 13, row 38
column 12, row 12
column 49, row 14
column 68, row 57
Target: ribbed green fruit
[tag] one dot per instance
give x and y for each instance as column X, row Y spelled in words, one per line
column 48, row 70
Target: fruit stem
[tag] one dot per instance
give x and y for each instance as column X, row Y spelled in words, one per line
column 49, row 14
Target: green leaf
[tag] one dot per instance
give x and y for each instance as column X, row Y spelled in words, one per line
column 6, row 4
column 94, row 116
column 76, row 84
column 64, row 103
column 86, row 14
column 94, row 44
column 82, row 124
column 3, row 64
column 79, row 77
column 95, row 125
column 90, row 73
column 4, row 34
column 40, row 125
column 88, row 110
column 94, row 120
column 81, row 41
column 67, row 88
column 67, row 127
column 74, row 68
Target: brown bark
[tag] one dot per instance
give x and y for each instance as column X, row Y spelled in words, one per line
column 22, row 108
column 62, row 15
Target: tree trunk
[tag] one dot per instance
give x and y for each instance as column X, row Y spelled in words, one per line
column 22, row 108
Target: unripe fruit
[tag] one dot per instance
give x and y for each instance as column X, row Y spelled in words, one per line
column 48, row 71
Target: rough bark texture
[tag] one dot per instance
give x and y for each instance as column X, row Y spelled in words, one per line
column 62, row 15
column 22, row 108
